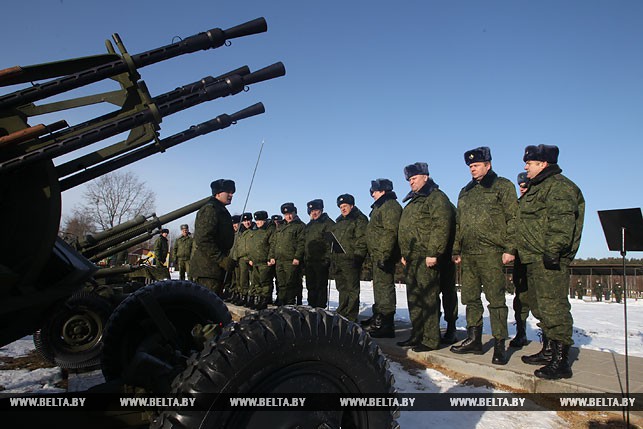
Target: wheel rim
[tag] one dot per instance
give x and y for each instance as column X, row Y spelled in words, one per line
column 81, row 331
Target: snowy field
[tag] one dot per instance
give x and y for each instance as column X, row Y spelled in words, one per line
column 597, row 326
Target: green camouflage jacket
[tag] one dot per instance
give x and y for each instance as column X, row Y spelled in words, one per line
column 315, row 244
column 182, row 248
column 381, row 232
column 351, row 233
column 427, row 224
column 213, row 238
column 288, row 241
column 259, row 241
column 485, row 219
column 161, row 247
column 241, row 247
column 550, row 217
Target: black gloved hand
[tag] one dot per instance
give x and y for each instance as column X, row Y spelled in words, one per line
column 551, row 262
column 358, row 261
column 386, row 266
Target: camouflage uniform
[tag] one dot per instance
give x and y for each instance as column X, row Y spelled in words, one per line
column 381, row 239
column 550, row 223
column 213, row 238
column 241, row 255
column 259, row 247
column 181, row 252
column 426, row 225
column 287, row 245
column 161, row 248
column 484, row 231
column 317, row 260
column 350, row 232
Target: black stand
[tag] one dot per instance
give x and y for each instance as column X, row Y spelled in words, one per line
column 335, row 247
column 623, row 231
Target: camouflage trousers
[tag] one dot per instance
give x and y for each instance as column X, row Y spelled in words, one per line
column 423, row 296
column 212, row 283
column 384, row 290
column 289, row 279
column 479, row 270
column 347, row 283
column 243, row 277
column 549, row 301
column 317, row 282
column 184, row 267
column 262, row 275
column 521, row 300
column 448, row 291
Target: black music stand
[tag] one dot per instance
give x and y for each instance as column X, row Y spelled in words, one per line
column 623, row 230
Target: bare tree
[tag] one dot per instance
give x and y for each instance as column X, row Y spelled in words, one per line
column 78, row 225
column 115, row 198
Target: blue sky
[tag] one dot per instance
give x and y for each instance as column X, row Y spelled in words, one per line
column 370, row 88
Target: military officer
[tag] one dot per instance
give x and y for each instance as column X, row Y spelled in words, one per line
column 213, row 238
column 381, row 239
column 350, row 231
column 241, row 256
column 161, row 248
column 317, row 253
column 550, row 223
column 484, row 242
column 262, row 273
column 181, row 251
column 426, row 229
column 287, row 254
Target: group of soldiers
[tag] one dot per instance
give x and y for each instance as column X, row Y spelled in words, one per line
column 242, row 258
column 598, row 291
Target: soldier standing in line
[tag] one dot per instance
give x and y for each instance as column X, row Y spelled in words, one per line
column 579, row 289
column 287, row 254
column 484, row 243
column 381, row 239
column 550, row 223
column 350, row 231
column 521, row 299
column 259, row 248
column 426, row 229
column 241, row 256
column 618, row 292
column 161, row 248
column 277, row 221
column 181, row 251
column 230, row 292
column 598, row 291
column 213, row 238
column 317, row 253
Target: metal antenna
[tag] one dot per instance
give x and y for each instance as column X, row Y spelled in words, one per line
column 245, row 203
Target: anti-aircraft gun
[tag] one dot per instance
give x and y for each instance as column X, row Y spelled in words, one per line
column 168, row 336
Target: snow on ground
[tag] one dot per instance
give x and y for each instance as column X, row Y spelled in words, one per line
column 597, row 326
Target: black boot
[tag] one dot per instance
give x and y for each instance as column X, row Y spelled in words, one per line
column 473, row 342
column 543, row 357
column 367, row 322
column 236, row 298
column 262, row 303
column 412, row 341
column 499, row 355
column 252, row 302
column 520, row 339
column 449, row 335
column 383, row 326
column 558, row 367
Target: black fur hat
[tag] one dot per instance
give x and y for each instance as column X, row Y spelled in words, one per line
column 236, row 218
column 165, row 231
column 261, row 215
column 315, row 205
column 246, row 216
column 288, row 208
column 185, row 226
column 345, row 199
column 381, row 185
column 277, row 218
column 522, row 178
column 223, row 185
column 415, row 169
column 479, row 154
column 542, row 152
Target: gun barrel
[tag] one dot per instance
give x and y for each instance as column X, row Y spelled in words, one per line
column 210, row 39
column 218, row 123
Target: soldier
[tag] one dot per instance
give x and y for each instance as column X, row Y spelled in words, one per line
column 484, row 243
column 161, row 248
column 181, row 252
column 277, row 220
column 287, row 253
column 241, row 256
column 230, row 293
column 213, row 238
column 426, row 229
column 521, row 299
column 262, row 273
column 550, row 222
column 618, row 292
column 317, row 253
column 381, row 239
column 350, row 230
column 598, row 291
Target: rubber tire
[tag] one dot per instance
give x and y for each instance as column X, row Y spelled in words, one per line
column 84, row 315
column 288, row 349
column 130, row 327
